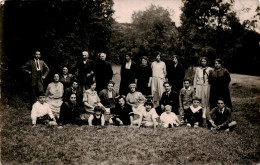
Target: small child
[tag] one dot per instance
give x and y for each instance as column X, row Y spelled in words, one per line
column 97, row 118
column 148, row 117
column 185, row 98
column 194, row 113
column 41, row 112
column 168, row 118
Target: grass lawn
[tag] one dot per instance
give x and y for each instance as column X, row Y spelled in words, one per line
column 22, row 144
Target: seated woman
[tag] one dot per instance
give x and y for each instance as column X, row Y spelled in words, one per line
column 123, row 114
column 54, row 93
column 136, row 100
column 66, row 77
column 91, row 99
column 70, row 113
column 194, row 113
column 107, row 96
column 148, row 117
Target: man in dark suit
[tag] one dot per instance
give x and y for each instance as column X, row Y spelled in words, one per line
column 220, row 117
column 108, row 96
column 85, row 71
column 169, row 97
column 38, row 70
column 73, row 89
column 104, row 72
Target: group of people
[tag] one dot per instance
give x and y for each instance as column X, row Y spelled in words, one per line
column 149, row 95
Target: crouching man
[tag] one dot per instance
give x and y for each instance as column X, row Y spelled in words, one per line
column 219, row 118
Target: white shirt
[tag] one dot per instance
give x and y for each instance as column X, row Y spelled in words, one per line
column 39, row 110
column 128, row 64
column 170, row 118
column 37, row 63
column 110, row 94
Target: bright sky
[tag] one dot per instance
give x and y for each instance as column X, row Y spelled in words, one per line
column 125, row 8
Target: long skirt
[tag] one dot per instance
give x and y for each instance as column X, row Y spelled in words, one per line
column 203, row 92
column 157, row 88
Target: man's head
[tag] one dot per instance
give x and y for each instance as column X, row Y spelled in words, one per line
column 85, row 55
column 37, row 55
column 102, row 56
column 167, row 86
column 175, row 59
column 221, row 103
column 186, row 83
column 74, row 85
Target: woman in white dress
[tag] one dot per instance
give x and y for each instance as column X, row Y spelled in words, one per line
column 201, row 84
column 54, row 93
column 158, row 73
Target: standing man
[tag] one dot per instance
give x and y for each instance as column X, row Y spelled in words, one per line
column 37, row 70
column 85, row 71
column 104, row 72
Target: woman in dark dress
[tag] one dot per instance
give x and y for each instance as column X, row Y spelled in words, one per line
column 128, row 74
column 144, row 77
column 219, row 79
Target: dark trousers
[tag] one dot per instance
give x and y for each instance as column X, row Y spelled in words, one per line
column 37, row 88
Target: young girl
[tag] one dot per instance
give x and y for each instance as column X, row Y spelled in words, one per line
column 168, row 118
column 194, row 113
column 123, row 114
column 97, row 118
column 148, row 117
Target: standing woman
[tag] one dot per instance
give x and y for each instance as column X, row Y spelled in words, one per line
column 159, row 73
column 66, row 77
column 128, row 74
column 201, row 84
column 54, row 93
column 144, row 77
column 219, row 80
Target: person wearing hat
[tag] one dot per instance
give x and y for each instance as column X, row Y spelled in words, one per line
column 41, row 112
column 220, row 117
column 148, row 117
column 97, row 118
column 194, row 113
column 135, row 99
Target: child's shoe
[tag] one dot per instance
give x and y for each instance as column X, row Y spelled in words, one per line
column 196, row 125
column 188, row 125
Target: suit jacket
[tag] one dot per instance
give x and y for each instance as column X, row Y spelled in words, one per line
column 83, row 70
column 172, row 100
column 220, row 118
column 30, row 66
column 103, row 95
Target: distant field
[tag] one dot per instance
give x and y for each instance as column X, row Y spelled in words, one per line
column 22, row 144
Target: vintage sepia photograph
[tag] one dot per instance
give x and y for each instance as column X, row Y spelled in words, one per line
column 129, row 82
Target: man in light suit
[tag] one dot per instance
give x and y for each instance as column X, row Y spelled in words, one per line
column 37, row 70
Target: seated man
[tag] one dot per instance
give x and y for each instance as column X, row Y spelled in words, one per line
column 220, row 117
column 169, row 97
column 70, row 113
column 108, row 96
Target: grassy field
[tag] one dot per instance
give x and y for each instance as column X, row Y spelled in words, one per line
column 22, row 144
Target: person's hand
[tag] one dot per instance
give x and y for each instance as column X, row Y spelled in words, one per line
column 91, row 72
column 120, row 122
column 43, row 77
column 88, row 75
column 29, row 72
column 149, row 85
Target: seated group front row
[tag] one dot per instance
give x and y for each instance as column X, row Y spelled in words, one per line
column 218, row 118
